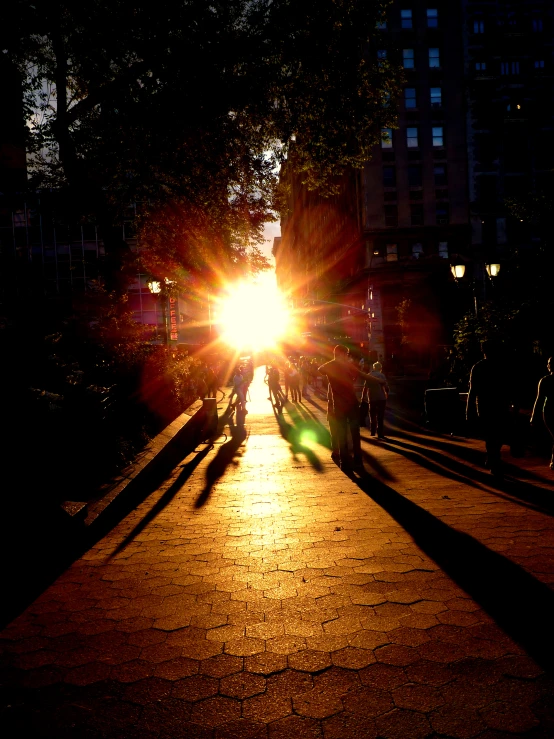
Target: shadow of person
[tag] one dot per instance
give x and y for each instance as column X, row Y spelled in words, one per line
column 225, row 456
column 297, row 433
column 520, row 604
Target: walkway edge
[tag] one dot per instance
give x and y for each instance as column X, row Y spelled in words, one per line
column 167, row 447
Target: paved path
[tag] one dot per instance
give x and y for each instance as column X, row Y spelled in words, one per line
column 261, row 593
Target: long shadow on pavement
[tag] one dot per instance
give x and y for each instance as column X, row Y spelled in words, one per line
column 299, row 429
column 407, row 429
column 519, row 603
column 526, row 494
column 186, row 471
column 225, row 456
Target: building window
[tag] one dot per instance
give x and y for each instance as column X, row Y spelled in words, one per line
column 386, row 138
column 478, row 26
column 414, row 175
column 434, row 58
column 441, row 178
column 539, row 64
column 537, row 25
column 436, row 97
column 411, row 138
column 391, row 216
column 416, row 215
column 408, row 59
column 410, row 100
column 392, row 252
column 509, row 67
column 389, row 176
column 417, row 251
column 381, row 56
column 438, row 136
column 480, row 66
column 442, row 214
column 432, row 18
column 381, row 25
column 443, row 249
column 406, row 19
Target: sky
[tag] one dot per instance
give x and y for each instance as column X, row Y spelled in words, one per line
column 270, row 230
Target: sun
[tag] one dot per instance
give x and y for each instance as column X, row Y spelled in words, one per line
column 254, row 315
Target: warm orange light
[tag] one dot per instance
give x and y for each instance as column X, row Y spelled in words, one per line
column 458, row 270
column 254, row 314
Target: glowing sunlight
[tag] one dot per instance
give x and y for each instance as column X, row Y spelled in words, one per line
column 253, row 315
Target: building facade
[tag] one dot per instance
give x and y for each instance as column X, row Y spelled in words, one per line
column 474, row 129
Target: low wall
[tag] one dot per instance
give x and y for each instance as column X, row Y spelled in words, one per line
column 197, row 424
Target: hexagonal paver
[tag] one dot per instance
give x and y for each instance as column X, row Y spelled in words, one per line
column 245, row 647
column 242, row 685
column 429, row 673
column 385, row 677
column 289, row 683
column 265, row 663
column 394, row 654
column 147, row 691
column 367, row 702
column 221, row 665
column 309, row 660
column 400, row 724
column 266, row 707
column 353, row 658
column 317, row 704
column 241, row 729
column 215, row 711
column 336, row 681
column 417, row 697
column 195, row 688
column 175, row 669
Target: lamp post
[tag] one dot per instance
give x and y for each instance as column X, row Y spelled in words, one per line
column 155, row 288
column 492, row 270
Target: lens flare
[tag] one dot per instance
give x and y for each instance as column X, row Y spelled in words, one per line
column 254, row 315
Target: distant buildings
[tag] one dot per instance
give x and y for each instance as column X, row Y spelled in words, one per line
column 475, row 127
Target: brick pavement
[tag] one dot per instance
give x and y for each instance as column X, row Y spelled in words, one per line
column 261, row 593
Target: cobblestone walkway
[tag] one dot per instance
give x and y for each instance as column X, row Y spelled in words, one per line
column 260, row 593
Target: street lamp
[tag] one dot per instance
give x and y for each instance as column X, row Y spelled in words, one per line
column 492, row 269
column 458, row 271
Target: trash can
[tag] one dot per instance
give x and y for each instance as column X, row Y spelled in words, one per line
column 444, row 409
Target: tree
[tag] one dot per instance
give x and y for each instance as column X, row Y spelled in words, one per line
column 190, row 107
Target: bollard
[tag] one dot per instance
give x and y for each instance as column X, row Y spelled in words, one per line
column 209, row 409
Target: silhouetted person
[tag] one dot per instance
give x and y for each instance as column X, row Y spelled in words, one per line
column 489, row 399
column 544, row 404
column 294, row 383
column 342, row 374
column 273, row 382
column 378, row 395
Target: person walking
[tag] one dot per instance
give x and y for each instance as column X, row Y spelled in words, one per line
column 344, row 410
column 275, row 393
column 489, row 400
column 239, row 388
column 543, row 408
column 294, row 383
column 377, row 396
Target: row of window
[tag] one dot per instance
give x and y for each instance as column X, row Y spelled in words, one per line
column 407, row 19
column 410, row 97
column 509, row 67
column 536, row 24
column 416, row 251
column 412, row 137
column 433, row 58
column 415, row 178
column 417, row 215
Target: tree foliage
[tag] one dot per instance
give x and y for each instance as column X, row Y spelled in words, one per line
column 190, row 107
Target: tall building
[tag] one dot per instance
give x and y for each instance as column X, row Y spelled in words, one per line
column 474, row 128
